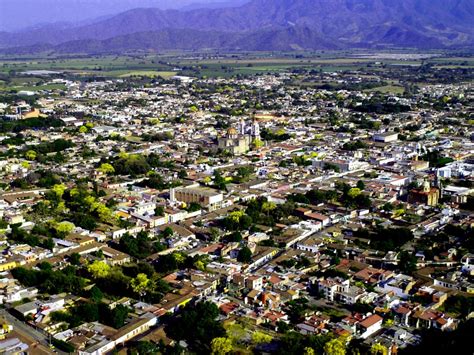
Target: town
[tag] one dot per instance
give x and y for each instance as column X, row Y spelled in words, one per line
column 302, row 210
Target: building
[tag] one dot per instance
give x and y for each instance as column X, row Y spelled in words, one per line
column 330, row 288
column 103, row 344
column 385, row 137
column 337, row 289
column 457, row 194
column 426, row 195
column 208, row 198
column 238, row 141
column 234, row 142
column 399, row 284
column 369, row 326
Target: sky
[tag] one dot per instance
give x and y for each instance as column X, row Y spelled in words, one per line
column 20, row 14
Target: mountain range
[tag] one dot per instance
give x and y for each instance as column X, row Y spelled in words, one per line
column 263, row 25
column 17, row 15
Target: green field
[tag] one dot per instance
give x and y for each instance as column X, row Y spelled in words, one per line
column 148, row 73
column 205, row 64
column 388, row 89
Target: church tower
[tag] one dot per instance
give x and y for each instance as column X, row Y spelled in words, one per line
column 242, row 127
column 255, row 129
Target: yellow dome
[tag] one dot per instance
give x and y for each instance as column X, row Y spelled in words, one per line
column 232, row 131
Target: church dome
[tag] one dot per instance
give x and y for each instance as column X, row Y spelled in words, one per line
column 232, row 131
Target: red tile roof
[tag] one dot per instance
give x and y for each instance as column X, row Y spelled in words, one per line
column 371, row 320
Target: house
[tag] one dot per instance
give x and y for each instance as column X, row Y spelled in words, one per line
column 261, row 256
column 369, row 326
column 101, row 344
column 402, row 313
column 372, row 275
column 313, row 325
column 399, row 284
column 312, row 244
column 431, row 318
column 329, row 287
column 13, row 346
column 254, row 282
column 337, row 289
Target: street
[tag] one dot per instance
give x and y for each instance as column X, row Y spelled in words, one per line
column 29, row 332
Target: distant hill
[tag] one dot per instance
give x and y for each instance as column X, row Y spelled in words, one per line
column 16, row 15
column 266, row 25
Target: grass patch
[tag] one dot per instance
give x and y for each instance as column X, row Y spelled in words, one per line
column 388, row 89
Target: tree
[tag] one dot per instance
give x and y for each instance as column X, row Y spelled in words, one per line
column 309, row 351
column 59, row 190
column 88, row 311
column 236, row 332
column 335, row 347
column 221, row 346
column 354, row 192
column 407, row 262
column 243, row 173
column 62, row 345
column 75, row 259
column 104, row 213
column 360, row 185
column 268, row 206
column 145, row 348
column 99, row 269
column 199, row 265
column 245, row 255
column 257, row 143
column 261, row 338
column 159, row 211
column 64, row 228
column 96, row 294
column 140, row 284
column 30, row 155
column 378, row 349
column 106, row 168
column 234, row 237
column 197, row 325
column 83, row 129
column 113, row 317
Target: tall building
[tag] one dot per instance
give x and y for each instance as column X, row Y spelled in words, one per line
column 242, row 127
column 255, row 130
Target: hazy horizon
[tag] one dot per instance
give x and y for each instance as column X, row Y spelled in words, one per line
column 16, row 15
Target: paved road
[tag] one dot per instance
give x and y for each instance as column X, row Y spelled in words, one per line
column 27, row 331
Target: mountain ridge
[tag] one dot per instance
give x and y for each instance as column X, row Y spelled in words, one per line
column 342, row 23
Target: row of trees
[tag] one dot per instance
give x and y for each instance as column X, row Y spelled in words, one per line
column 140, row 246
column 80, row 205
column 50, row 281
column 258, row 211
column 137, row 164
column 92, row 312
column 386, row 239
column 352, row 197
column 138, row 281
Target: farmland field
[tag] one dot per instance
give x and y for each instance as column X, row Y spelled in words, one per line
column 14, row 70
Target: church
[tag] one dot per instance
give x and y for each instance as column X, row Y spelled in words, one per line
column 238, row 142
